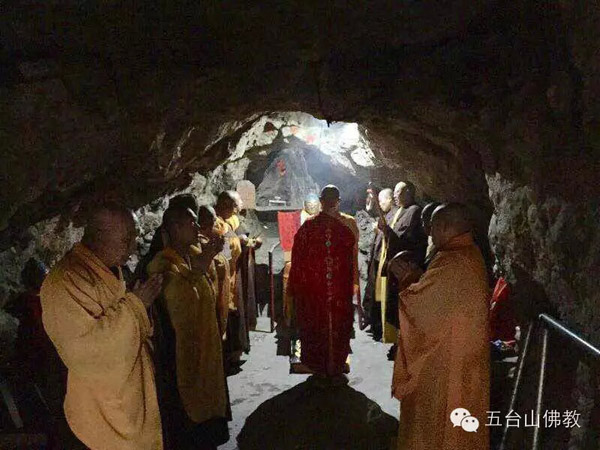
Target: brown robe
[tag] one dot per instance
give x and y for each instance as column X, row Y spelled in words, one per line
column 443, row 352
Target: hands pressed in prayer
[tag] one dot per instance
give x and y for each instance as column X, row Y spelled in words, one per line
column 398, row 268
column 402, row 270
column 148, row 291
column 254, row 243
column 211, row 246
column 215, row 245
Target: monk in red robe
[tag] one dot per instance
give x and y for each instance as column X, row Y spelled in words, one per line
column 321, row 282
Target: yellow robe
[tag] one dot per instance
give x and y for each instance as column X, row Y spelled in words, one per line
column 222, row 279
column 224, row 228
column 102, row 334
column 233, row 222
column 443, row 352
column 390, row 332
column 430, row 247
column 350, row 222
column 190, row 299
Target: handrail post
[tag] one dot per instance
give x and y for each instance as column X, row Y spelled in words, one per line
column 546, row 324
column 540, row 393
column 518, row 377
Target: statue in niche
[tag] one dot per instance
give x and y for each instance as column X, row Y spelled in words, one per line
column 286, row 182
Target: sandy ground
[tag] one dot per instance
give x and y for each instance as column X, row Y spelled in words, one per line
column 266, row 375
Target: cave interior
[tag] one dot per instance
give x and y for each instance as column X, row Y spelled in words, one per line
column 493, row 104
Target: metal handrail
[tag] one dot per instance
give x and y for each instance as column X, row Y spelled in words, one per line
column 547, row 324
column 565, row 332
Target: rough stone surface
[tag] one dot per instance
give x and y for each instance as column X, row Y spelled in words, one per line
column 47, row 241
column 8, row 333
column 367, row 233
column 465, row 98
column 286, row 181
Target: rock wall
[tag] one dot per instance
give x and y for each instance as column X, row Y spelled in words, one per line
column 493, row 103
column 345, row 156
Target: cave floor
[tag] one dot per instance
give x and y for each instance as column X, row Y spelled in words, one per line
column 265, row 382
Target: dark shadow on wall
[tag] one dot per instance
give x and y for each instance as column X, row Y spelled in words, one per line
column 561, row 371
column 310, row 417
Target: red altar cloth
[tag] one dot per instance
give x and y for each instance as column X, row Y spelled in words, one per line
column 289, row 224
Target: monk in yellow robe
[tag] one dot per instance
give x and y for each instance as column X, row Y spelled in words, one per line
column 246, row 264
column 219, row 270
column 238, row 339
column 190, row 299
column 102, row 332
column 442, row 367
column 223, row 281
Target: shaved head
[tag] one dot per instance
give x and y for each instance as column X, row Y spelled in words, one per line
column 225, row 197
column 386, row 199
column 226, row 204
column 448, row 221
column 206, row 217
column 453, row 215
column 110, row 233
column 104, row 219
column 386, row 193
column 330, row 197
column 311, row 204
column 185, row 201
column 404, row 193
column 176, row 215
column 181, row 225
column 426, row 214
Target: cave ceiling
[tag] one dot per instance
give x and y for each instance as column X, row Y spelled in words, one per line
column 103, row 99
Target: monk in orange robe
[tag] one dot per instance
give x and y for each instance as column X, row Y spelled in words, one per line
column 442, row 363
column 102, row 333
column 322, row 282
